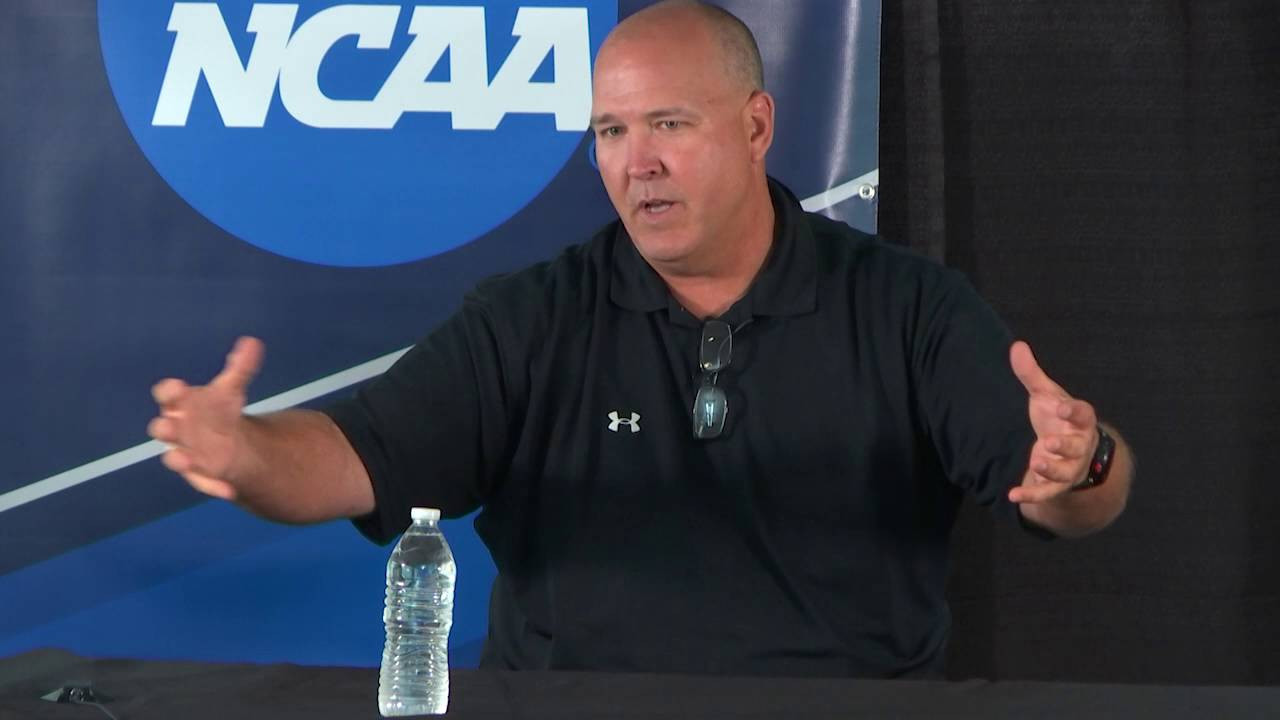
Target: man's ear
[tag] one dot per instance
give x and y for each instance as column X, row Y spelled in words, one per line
column 758, row 117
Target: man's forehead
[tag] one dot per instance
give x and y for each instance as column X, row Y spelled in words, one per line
column 650, row 102
column 658, row 66
column 633, row 64
column 637, row 85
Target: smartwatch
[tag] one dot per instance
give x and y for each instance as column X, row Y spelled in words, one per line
column 1101, row 462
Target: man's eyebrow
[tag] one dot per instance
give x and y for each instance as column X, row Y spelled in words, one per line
column 604, row 119
column 666, row 112
column 609, row 119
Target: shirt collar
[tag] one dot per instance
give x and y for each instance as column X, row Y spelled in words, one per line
column 786, row 284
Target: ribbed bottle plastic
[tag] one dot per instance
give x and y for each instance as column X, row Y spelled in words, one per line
column 415, row 661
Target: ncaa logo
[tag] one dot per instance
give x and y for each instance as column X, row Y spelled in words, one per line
column 355, row 134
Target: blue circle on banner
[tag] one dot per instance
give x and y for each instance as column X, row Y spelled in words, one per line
column 355, row 133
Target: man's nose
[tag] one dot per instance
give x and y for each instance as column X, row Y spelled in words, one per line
column 642, row 159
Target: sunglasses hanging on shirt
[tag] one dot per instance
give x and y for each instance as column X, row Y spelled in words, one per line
column 710, row 406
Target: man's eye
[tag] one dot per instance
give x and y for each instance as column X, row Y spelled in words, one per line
column 612, row 131
column 670, row 124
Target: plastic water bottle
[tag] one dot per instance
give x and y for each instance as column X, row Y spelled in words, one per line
column 415, row 661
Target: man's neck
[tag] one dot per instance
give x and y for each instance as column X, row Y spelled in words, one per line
column 707, row 297
column 710, row 294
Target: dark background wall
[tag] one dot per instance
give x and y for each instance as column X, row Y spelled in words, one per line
column 1109, row 176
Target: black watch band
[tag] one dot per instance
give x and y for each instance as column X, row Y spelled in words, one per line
column 1100, row 465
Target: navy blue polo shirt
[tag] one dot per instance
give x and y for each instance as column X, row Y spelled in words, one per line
column 869, row 388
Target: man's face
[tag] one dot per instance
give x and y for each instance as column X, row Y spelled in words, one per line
column 673, row 147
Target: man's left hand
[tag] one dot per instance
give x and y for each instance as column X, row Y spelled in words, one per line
column 1066, row 433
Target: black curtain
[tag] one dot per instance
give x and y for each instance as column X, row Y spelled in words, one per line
column 1108, row 174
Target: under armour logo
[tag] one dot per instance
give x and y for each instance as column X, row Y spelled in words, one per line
column 632, row 422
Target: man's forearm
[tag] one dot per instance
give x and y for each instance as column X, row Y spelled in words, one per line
column 1076, row 514
column 299, row 468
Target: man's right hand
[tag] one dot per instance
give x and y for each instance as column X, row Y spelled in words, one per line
column 204, row 425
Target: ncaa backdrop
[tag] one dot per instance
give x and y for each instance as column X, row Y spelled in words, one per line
column 330, row 177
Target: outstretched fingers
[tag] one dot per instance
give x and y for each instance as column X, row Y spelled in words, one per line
column 1068, row 446
column 1037, row 493
column 1078, row 413
column 180, row 461
column 1029, row 372
column 168, row 393
column 199, row 424
column 164, row 429
column 242, row 365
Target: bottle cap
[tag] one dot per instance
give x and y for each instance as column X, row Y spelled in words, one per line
column 417, row 514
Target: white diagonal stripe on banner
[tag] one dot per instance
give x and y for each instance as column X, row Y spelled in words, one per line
column 148, row 450
column 841, row 192
column 310, row 391
column 75, row 476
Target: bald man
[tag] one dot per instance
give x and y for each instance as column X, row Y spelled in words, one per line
column 722, row 436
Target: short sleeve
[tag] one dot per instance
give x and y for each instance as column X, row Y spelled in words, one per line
column 432, row 430
column 974, row 407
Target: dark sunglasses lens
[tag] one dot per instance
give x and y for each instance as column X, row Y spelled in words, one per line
column 709, row 410
column 716, row 349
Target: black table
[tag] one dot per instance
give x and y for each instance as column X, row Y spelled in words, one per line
column 146, row 690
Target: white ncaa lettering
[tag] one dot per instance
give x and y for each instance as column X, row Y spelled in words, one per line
column 203, row 45
column 563, row 33
column 242, row 93
column 300, row 91
column 632, row 422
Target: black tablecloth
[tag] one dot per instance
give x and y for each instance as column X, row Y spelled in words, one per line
column 145, row 690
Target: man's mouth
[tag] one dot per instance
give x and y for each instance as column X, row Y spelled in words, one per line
column 655, row 207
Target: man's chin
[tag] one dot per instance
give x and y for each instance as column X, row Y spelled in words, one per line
column 661, row 247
